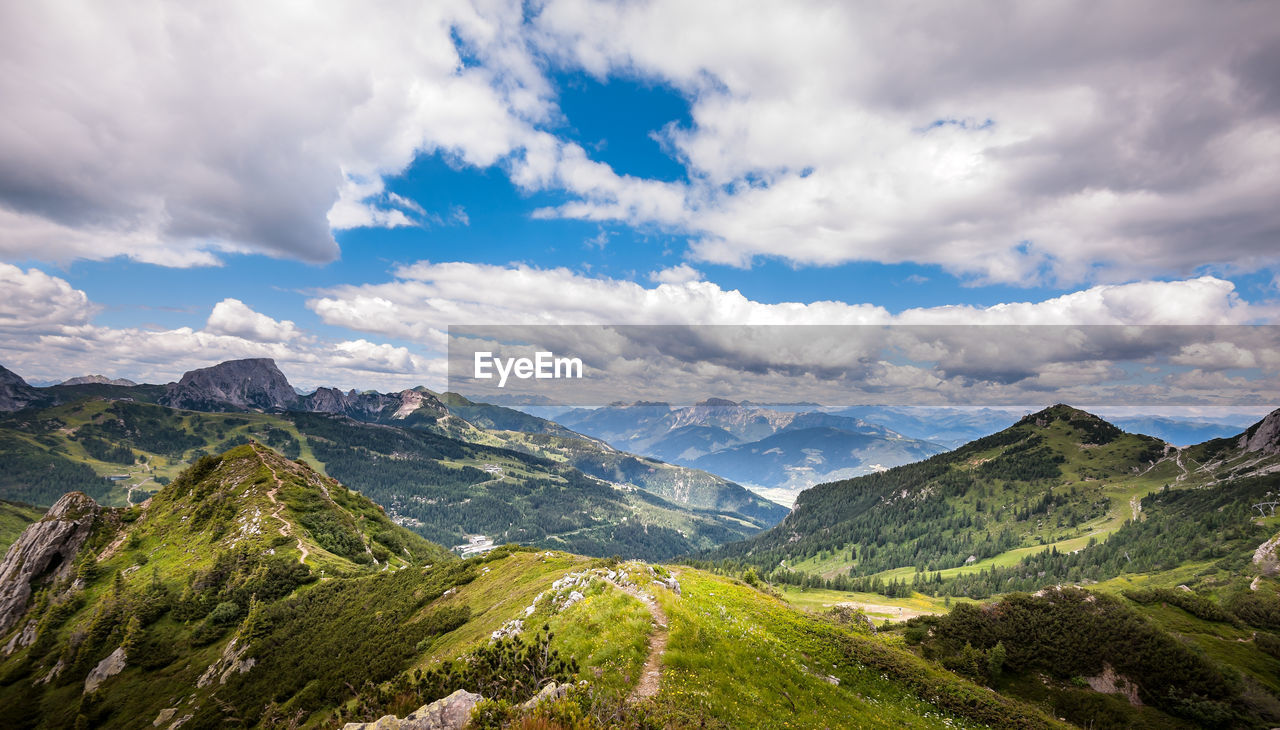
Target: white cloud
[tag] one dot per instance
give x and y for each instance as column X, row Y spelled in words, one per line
column 679, row 274
column 233, row 317
column 49, row 335
column 33, row 302
column 173, row 133
column 1010, row 143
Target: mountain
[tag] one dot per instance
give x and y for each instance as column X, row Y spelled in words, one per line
column 253, row 384
column 762, row 448
column 796, row 458
column 255, row 592
column 97, row 380
column 14, row 391
column 1178, row 431
column 1050, row 477
column 120, row 452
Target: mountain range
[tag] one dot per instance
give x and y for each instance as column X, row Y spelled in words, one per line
column 778, row 453
column 541, row 485
column 266, row 558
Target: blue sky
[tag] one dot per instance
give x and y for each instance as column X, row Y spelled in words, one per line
column 548, row 162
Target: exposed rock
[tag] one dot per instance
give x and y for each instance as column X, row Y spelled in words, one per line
column 53, row 672
column 671, row 584
column 21, row 638
column 15, row 394
column 45, row 550
column 1109, row 682
column 109, row 667
column 1263, row 436
column 97, row 380
column 1265, row 556
column 230, row 662
column 165, row 716
column 450, row 713
column 549, row 693
column 254, row 384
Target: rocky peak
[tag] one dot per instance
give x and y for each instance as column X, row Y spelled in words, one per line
column 46, row 550
column 15, row 394
column 253, row 384
column 1263, row 436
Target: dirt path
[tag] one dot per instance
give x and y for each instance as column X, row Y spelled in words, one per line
column 651, row 675
column 285, row 527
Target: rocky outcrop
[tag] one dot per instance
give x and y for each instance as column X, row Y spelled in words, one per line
column 370, row 406
column 15, row 394
column 46, row 550
column 1111, row 682
column 255, row 384
column 231, row 662
column 109, row 667
column 450, row 713
column 1263, row 436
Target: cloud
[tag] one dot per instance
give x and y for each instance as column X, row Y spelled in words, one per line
column 679, row 274
column 1036, row 143
column 49, row 335
column 233, row 317
column 32, row 302
column 172, row 134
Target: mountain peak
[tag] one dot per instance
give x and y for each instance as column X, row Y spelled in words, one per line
column 251, row 384
column 1093, row 429
column 1264, row 435
column 722, row 402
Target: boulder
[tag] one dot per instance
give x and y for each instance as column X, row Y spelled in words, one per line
column 449, row 713
column 109, row 667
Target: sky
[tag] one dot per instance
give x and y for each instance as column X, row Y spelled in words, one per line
column 335, row 184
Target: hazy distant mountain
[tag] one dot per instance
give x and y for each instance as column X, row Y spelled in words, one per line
column 14, row 391
column 777, row 453
column 97, row 380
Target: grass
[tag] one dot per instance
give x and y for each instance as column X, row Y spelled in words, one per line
column 749, row 660
column 14, row 518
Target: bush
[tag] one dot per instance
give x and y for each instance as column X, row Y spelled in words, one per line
column 224, row 614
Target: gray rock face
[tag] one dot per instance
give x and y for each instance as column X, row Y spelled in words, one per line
column 1263, row 436
column 109, row 667
column 450, row 713
column 15, row 394
column 45, row 550
column 255, row 384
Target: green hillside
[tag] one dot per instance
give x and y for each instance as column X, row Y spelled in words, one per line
column 1057, row 476
column 256, row 592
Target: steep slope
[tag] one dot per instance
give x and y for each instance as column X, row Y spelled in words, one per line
column 1048, row 478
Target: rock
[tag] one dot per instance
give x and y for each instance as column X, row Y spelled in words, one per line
column 109, row 667
column 231, row 661
column 21, row 638
column 1263, row 436
column 165, row 716
column 253, row 384
column 450, row 713
column 1111, row 682
column 671, row 584
column 15, row 394
column 549, row 693
column 46, row 550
